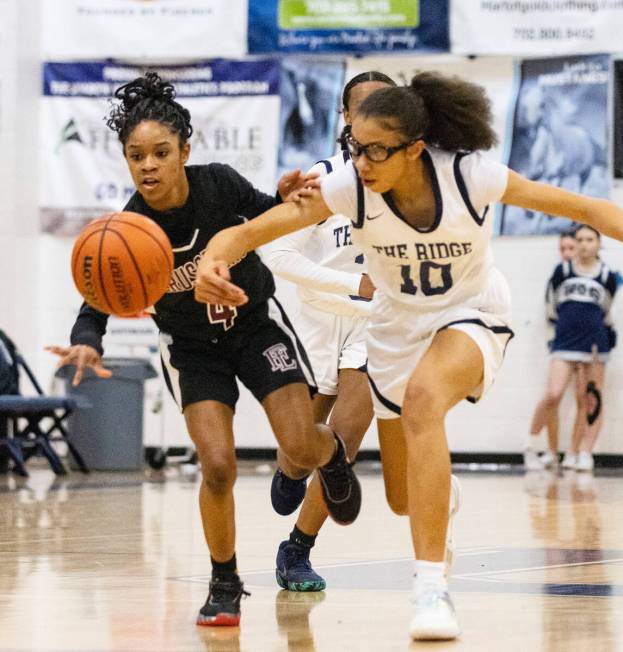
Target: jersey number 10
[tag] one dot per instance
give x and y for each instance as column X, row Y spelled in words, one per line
column 429, row 290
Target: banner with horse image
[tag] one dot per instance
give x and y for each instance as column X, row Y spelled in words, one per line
column 559, row 134
column 234, row 107
column 310, row 93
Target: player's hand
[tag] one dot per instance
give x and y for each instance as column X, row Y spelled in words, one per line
column 291, row 182
column 84, row 357
column 213, row 284
column 366, row 287
column 305, row 193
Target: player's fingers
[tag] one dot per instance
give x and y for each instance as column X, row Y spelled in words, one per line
column 290, row 176
column 311, row 180
column 215, row 282
column 57, row 350
column 213, row 294
column 304, row 193
column 101, row 372
column 77, row 376
column 219, row 297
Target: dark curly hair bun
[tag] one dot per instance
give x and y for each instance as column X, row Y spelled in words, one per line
column 148, row 98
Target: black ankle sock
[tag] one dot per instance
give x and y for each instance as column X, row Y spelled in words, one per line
column 225, row 569
column 301, row 539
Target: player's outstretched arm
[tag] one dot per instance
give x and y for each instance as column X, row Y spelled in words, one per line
column 601, row 214
column 230, row 245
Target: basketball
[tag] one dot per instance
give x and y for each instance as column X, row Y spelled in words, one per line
column 121, row 263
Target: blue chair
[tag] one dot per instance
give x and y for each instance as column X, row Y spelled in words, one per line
column 27, row 435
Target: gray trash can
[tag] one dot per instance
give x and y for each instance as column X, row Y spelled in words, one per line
column 107, row 425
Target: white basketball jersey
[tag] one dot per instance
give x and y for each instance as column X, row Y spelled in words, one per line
column 435, row 268
column 328, row 267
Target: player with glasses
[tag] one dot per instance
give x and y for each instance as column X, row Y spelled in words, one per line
column 374, row 152
column 440, row 318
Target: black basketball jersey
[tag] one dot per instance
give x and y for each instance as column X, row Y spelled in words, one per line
column 218, row 198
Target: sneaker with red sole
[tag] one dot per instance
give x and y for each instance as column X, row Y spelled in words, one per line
column 222, row 608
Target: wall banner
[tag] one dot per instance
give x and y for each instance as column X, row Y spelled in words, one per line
column 355, row 26
column 310, row 100
column 535, row 27
column 235, row 116
column 143, row 29
column 559, row 134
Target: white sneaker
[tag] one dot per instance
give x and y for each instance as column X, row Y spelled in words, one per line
column 531, row 460
column 584, row 461
column 569, row 461
column 549, row 459
column 434, row 617
column 455, row 503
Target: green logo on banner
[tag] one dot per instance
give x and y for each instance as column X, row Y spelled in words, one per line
column 348, row 14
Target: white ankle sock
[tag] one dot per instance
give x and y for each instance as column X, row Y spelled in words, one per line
column 430, row 572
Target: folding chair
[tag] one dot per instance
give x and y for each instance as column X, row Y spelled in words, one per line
column 27, row 435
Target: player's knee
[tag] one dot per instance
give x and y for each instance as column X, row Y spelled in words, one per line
column 219, row 474
column 552, row 398
column 422, row 405
column 301, row 453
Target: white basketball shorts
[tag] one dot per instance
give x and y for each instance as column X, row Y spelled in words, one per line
column 332, row 342
column 398, row 337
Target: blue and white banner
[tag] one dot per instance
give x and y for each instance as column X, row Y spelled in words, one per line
column 142, row 29
column 235, row 116
column 535, row 27
column 353, row 26
column 559, row 134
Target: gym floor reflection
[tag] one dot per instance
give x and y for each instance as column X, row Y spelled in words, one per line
column 118, row 562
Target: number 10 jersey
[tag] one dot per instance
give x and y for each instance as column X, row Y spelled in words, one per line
column 437, row 267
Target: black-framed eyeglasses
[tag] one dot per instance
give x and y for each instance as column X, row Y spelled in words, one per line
column 375, row 153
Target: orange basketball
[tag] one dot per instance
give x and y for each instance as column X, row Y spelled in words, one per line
column 121, row 263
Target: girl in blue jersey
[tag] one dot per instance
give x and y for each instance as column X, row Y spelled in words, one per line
column 580, row 294
column 418, row 192
column 205, row 350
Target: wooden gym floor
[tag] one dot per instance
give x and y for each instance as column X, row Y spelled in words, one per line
column 118, row 562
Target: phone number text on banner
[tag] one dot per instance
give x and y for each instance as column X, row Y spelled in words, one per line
column 354, row 26
column 535, row 27
column 234, row 107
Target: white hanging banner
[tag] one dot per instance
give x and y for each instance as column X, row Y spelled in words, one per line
column 156, row 30
column 535, row 27
column 234, row 107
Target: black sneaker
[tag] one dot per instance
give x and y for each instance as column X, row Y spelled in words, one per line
column 286, row 494
column 294, row 571
column 222, row 608
column 340, row 488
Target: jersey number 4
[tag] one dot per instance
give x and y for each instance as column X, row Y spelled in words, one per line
column 444, row 274
column 219, row 314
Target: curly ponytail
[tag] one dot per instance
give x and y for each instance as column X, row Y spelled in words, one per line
column 446, row 112
column 148, row 98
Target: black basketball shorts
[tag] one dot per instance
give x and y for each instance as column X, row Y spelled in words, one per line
column 263, row 352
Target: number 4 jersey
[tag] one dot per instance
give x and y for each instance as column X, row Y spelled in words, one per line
column 435, row 268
